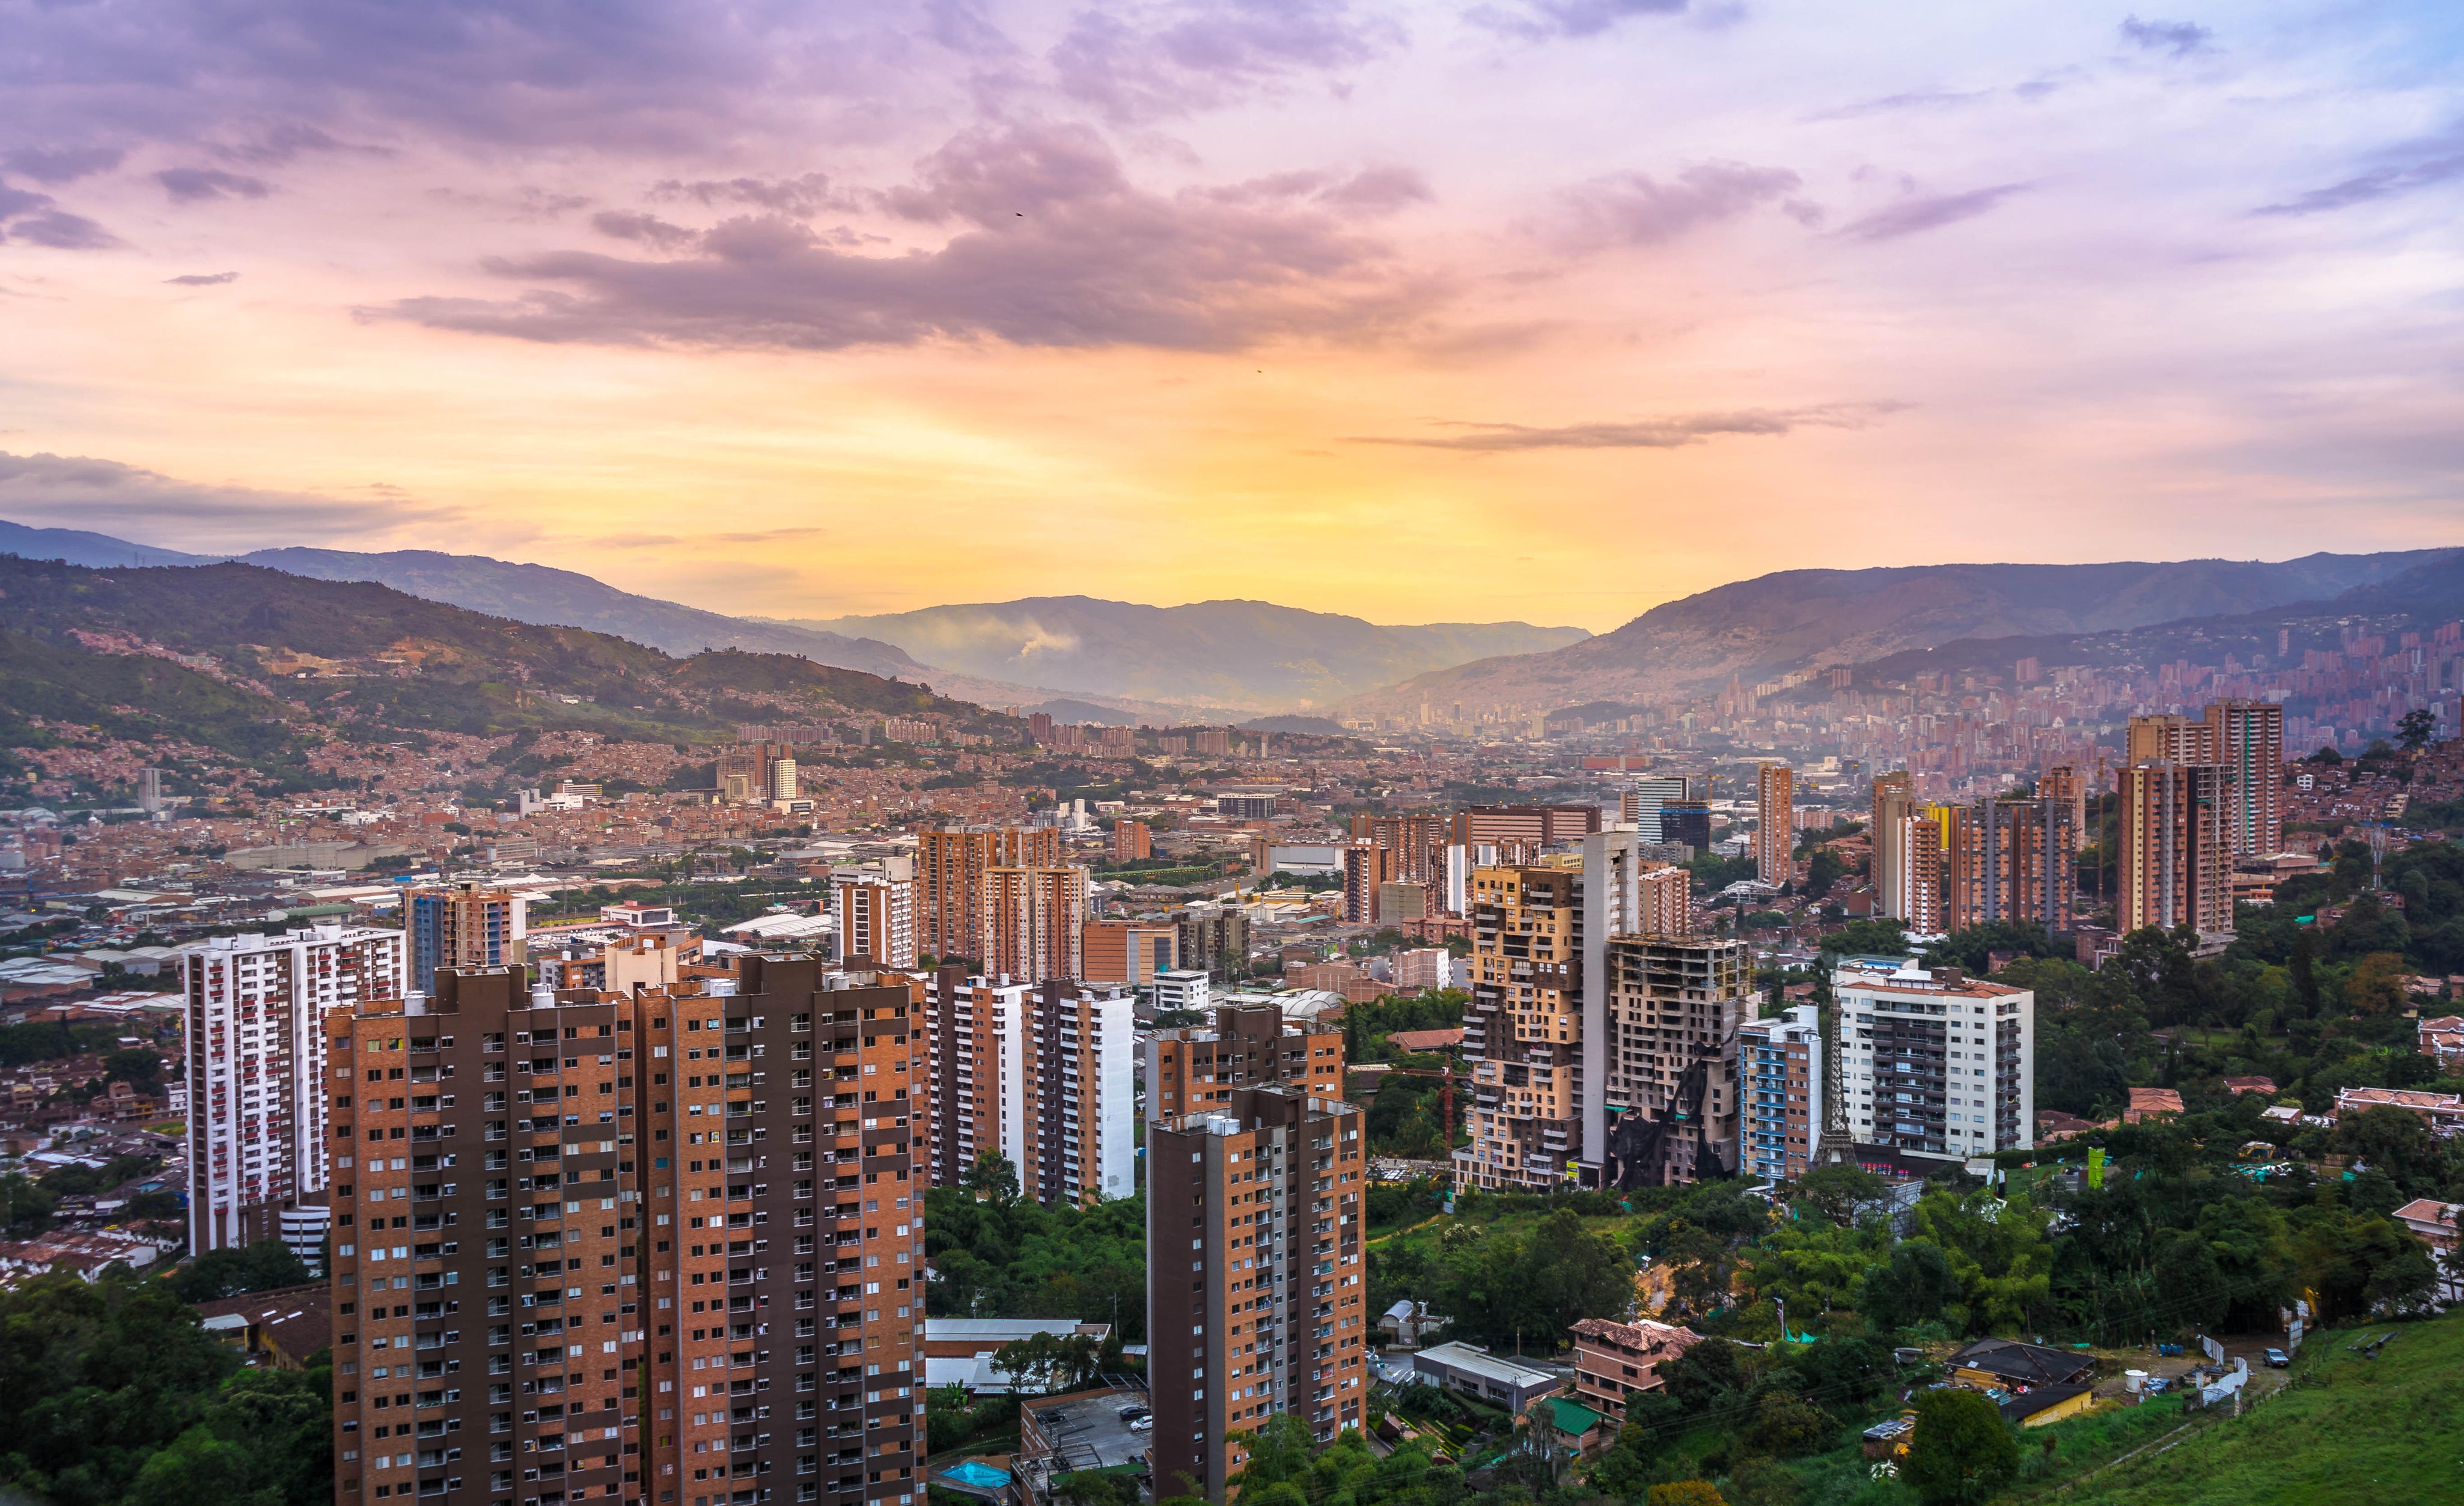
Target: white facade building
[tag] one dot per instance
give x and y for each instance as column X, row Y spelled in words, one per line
column 1935, row 1064
column 1183, row 988
column 256, row 1068
column 1042, row 1075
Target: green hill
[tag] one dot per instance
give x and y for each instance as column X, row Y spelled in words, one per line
column 367, row 655
column 2350, row 1428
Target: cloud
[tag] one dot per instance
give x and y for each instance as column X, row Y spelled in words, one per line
column 191, row 184
column 202, row 279
column 1632, row 210
column 1055, row 247
column 2172, row 38
column 1914, row 99
column 798, row 197
column 769, row 535
column 79, row 491
column 57, row 165
column 278, row 144
column 1928, row 212
column 2383, row 182
column 28, row 216
column 1668, row 433
column 1146, row 63
column 627, row 225
column 1544, row 19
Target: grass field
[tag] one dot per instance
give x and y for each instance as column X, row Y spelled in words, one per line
column 2348, row 1428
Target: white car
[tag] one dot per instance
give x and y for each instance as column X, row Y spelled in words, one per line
column 1141, row 1424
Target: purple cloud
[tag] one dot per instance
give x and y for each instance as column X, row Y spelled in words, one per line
column 626, row 224
column 202, row 279
column 798, row 197
column 1571, row 18
column 1928, row 212
column 1156, row 62
column 1667, row 434
column 2383, row 182
column 28, row 216
column 61, row 164
column 195, row 185
column 1055, row 247
column 2172, row 38
column 1630, row 209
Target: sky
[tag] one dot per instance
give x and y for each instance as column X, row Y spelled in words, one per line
column 1543, row 310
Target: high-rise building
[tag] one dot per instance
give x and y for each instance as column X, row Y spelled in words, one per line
column 1032, row 922
column 1130, row 951
column 1042, row 1075
column 149, row 789
column 949, row 867
column 1665, row 904
column 1934, row 1063
column 2175, row 869
column 1131, row 840
column 1535, row 827
column 2171, row 739
column 255, row 1069
column 1195, row 1068
column 1416, row 844
column 1523, row 1030
column 463, row 926
column 1270, row 1315
column 1367, row 867
column 652, row 958
column 1933, row 872
column 645, row 1256
column 1775, row 823
column 1779, row 1093
column 1641, row 804
column 2069, row 784
column 1687, row 823
column 1214, row 937
column 1672, row 1007
column 2248, row 737
column 876, row 913
column 2029, row 862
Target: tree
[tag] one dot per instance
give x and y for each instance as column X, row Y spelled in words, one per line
column 1837, row 1192
column 1962, row 1451
column 1685, row 1493
column 230, row 1271
column 1787, row 1425
column 993, row 1179
column 1913, row 1287
column 2376, row 985
column 2414, row 729
column 1049, row 1362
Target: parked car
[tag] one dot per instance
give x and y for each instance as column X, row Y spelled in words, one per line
column 1141, row 1424
column 2278, row 1359
column 2156, row 1384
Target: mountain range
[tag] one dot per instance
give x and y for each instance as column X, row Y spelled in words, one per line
column 1086, row 658
column 1761, row 629
column 1217, row 653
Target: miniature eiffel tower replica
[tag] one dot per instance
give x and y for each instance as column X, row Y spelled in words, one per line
column 1835, row 1146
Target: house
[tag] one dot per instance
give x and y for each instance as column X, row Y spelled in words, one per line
column 2149, row 1104
column 1409, row 1324
column 2442, row 1039
column 2265, row 1086
column 1889, row 1438
column 2006, row 1362
column 1613, row 1360
column 2442, row 1112
column 284, row 1324
column 1478, row 1373
column 1420, row 1041
column 1571, row 1425
column 2433, row 1223
column 2043, row 1406
column 2054, row 1126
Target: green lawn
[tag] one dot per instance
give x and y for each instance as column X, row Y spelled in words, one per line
column 2348, row 1428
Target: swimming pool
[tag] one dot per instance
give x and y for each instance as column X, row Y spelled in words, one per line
column 981, row 1477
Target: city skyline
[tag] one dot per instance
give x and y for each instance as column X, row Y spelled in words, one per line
column 915, row 310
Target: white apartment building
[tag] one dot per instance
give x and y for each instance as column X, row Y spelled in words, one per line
column 1183, row 988
column 876, row 913
column 1935, row 1064
column 1042, row 1075
column 256, row 1065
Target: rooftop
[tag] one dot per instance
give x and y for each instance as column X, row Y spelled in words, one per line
column 1459, row 1356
